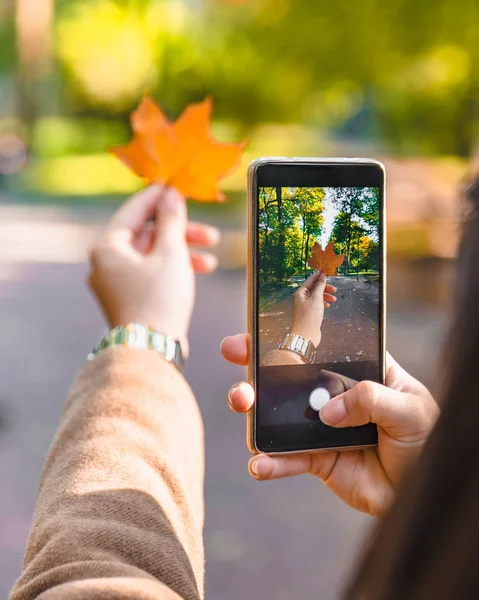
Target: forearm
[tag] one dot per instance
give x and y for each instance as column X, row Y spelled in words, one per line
column 282, row 357
column 120, row 504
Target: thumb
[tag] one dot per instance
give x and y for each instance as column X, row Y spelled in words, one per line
column 397, row 413
column 308, row 288
column 171, row 220
column 319, row 288
column 132, row 216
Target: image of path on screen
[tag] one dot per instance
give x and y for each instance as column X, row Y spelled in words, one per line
column 291, row 220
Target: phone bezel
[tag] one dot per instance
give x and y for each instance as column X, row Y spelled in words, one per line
column 364, row 169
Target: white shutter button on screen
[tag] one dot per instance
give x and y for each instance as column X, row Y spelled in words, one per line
column 318, row 398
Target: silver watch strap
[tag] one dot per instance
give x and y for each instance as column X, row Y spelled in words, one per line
column 300, row 345
column 136, row 335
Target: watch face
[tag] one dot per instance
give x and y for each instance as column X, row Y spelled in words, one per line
column 137, row 335
column 170, row 349
column 158, row 342
column 300, row 345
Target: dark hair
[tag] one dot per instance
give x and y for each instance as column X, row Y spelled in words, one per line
column 427, row 547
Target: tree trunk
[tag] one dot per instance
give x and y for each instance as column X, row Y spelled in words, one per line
column 301, row 259
column 357, row 249
column 266, row 242
column 306, row 254
column 348, row 245
column 281, row 249
column 465, row 131
column 33, row 25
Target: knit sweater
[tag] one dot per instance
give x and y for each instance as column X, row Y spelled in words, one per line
column 119, row 512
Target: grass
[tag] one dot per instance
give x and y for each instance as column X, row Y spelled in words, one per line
column 71, row 160
column 353, row 273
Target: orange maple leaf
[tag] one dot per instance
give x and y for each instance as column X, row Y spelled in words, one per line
column 325, row 260
column 183, row 155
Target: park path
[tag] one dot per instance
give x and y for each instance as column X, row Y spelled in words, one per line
column 350, row 326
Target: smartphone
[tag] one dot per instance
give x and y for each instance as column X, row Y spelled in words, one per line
column 307, row 216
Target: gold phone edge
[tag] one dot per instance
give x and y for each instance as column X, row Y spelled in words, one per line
column 252, row 286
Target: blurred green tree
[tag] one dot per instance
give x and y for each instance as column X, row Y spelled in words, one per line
column 357, row 218
column 405, row 71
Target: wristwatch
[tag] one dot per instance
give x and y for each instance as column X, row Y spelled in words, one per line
column 302, row 346
column 142, row 337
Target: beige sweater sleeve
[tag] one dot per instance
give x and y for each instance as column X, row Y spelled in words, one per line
column 119, row 512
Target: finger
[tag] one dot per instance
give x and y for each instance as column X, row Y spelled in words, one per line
column 235, row 349
column 203, row 263
column 327, row 305
column 319, row 288
column 329, row 298
column 198, row 234
column 330, row 289
column 310, row 283
column 263, row 467
column 170, row 220
column 368, row 402
column 144, row 240
column 241, row 397
column 136, row 211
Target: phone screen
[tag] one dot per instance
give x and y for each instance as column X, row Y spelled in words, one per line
column 303, row 231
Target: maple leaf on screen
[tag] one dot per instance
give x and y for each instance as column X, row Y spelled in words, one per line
column 325, row 260
column 183, row 154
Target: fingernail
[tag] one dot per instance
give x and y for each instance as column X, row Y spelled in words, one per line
column 211, row 260
column 231, row 393
column 170, row 201
column 215, row 235
column 231, row 337
column 334, row 412
column 322, row 276
column 228, row 337
column 253, row 467
column 260, row 467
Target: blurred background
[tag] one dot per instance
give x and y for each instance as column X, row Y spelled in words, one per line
column 396, row 80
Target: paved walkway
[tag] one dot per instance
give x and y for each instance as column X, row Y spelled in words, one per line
column 349, row 331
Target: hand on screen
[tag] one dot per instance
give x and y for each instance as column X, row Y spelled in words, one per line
column 403, row 410
column 143, row 271
column 310, row 300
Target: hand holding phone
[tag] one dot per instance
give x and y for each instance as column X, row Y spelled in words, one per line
column 403, row 410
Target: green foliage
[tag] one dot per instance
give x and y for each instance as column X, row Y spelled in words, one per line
column 108, row 51
column 7, row 39
column 406, row 71
column 54, row 137
column 290, row 220
column 356, row 228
